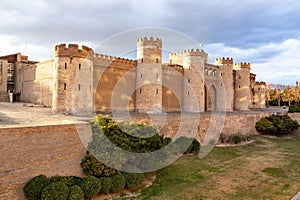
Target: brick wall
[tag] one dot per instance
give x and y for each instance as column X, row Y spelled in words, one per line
column 28, row 152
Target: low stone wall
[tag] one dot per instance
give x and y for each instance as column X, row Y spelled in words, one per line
column 58, row 149
column 241, row 123
column 28, row 152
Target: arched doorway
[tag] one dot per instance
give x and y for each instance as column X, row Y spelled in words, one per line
column 210, row 98
column 213, row 97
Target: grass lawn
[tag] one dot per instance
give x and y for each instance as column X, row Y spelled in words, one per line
column 269, row 168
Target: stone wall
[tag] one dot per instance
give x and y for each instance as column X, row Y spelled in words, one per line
column 28, row 152
column 58, row 149
column 114, row 84
column 37, row 85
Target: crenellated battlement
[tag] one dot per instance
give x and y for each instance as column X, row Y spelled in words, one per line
column 242, row 65
column 149, row 42
column 261, row 84
column 174, row 67
column 190, row 52
column 73, row 50
column 106, row 58
column 224, row 61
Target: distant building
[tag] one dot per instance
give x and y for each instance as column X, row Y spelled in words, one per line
column 79, row 80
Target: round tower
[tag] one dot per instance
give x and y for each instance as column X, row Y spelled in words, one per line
column 242, row 92
column 73, row 79
column 149, row 75
column 226, row 83
column 259, row 95
column 193, row 62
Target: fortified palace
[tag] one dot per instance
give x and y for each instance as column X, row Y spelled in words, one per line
column 79, row 81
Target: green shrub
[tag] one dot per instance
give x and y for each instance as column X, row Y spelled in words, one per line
column 195, row 146
column 236, row 139
column 90, row 186
column 109, row 137
column 33, row 188
column 75, row 193
column 93, row 167
column 276, row 125
column 117, row 182
column 264, row 126
column 54, row 191
column 294, row 108
column 184, row 144
column 233, row 138
column 105, row 184
column 68, row 180
column 133, row 180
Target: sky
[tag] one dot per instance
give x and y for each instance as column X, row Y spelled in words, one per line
column 264, row 33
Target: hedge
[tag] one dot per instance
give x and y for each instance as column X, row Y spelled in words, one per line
column 54, row 191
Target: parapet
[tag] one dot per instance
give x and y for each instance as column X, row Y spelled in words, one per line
column 73, row 51
column 191, row 52
column 224, row 61
column 172, row 67
column 242, row 65
column 105, row 60
column 261, row 84
column 149, row 42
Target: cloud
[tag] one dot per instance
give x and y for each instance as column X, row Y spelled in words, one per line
column 272, row 62
column 256, row 31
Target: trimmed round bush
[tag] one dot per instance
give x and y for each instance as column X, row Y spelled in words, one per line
column 133, row 180
column 68, row 180
column 54, row 191
column 105, row 184
column 117, row 182
column 276, row 125
column 75, row 193
column 90, row 186
column 33, row 188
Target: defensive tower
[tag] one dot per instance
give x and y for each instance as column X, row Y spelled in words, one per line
column 226, row 82
column 73, row 79
column 242, row 91
column 149, row 75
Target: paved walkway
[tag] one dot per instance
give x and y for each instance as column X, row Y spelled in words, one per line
column 18, row 115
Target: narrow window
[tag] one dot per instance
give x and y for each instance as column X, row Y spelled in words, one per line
column 188, row 92
column 79, row 66
column 156, row 60
column 156, row 91
column 78, row 86
column 141, row 75
column 156, row 76
column 90, row 87
column 221, row 74
column 65, row 86
column 65, row 65
column 239, row 86
column 140, row 90
column 142, row 60
column 170, row 61
column 189, row 80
